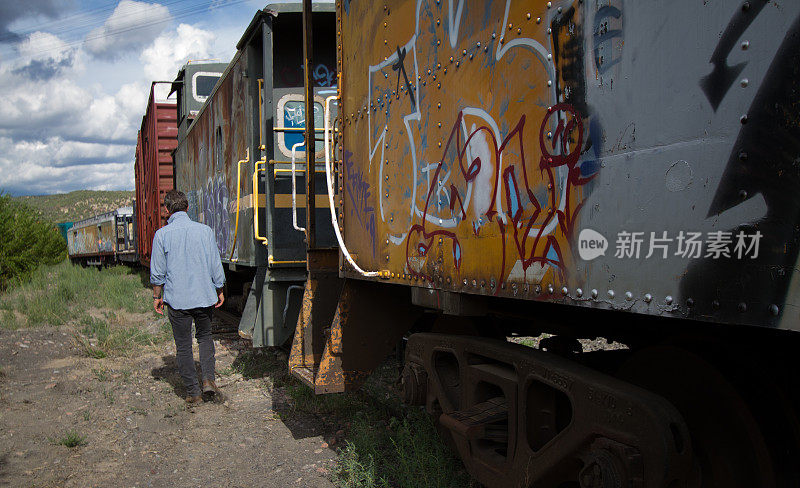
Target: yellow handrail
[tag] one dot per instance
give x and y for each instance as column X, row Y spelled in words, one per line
column 262, row 162
column 272, row 261
column 275, row 161
column 238, row 196
column 278, row 171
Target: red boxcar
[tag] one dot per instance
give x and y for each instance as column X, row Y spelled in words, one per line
column 157, row 138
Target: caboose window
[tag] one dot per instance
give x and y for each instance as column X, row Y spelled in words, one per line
column 294, row 116
column 291, row 112
column 203, row 84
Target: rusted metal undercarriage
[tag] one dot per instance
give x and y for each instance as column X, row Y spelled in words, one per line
column 522, row 417
column 670, row 412
column 682, row 411
column 346, row 327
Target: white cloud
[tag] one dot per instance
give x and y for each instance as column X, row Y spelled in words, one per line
column 42, row 109
column 55, row 164
column 44, row 56
column 40, row 105
column 42, row 45
column 57, row 132
column 172, row 50
column 131, row 100
column 12, row 11
column 132, row 25
column 69, row 113
column 55, row 152
column 59, row 135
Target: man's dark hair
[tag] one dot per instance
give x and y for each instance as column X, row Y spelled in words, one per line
column 176, row 201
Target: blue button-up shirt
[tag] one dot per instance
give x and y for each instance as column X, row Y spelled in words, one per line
column 185, row 261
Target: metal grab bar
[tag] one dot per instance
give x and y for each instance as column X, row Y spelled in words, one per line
column 294, row 129
column 383, row 273
column 302, row 171
column 263, row 163
column 238, row 196
column 294, row 190
column 261, row 145
column 272, row 260
column 288, row 291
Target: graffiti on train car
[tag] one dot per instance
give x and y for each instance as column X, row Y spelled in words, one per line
column 86, row 241
column 193, row 210
column 523, row 209
column 105, row 245
column 759, row 167
column 215, row 211
column 608, row 37
column 206, row 162
column 358, row 189
column 83, row 242
column 324, row 76
column 490, row 163
column 490, row 136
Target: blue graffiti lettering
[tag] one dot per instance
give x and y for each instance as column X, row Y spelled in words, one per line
column 323, row 76
column 215, row 211
column 194, row 209
column 359, row 192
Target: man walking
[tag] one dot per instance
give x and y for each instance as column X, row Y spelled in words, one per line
column 186, row 266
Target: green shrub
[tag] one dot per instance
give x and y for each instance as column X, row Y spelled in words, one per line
column 70, row 439
column 27, row 242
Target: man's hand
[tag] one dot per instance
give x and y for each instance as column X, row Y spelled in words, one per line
column 158, row 305
column 220, row 299
column 158, row 299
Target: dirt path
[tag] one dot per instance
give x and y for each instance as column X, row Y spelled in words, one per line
column 138, row 431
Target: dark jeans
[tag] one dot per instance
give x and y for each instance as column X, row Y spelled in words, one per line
column 181, row 321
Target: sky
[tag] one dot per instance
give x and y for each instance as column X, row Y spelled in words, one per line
column 75, row 79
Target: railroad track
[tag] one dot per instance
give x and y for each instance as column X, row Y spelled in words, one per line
column 225, row 322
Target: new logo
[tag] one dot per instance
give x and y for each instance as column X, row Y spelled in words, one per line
column 591, row 244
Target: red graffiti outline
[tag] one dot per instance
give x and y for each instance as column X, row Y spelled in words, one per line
column 548, row 162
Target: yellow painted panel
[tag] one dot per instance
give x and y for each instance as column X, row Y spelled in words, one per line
column 459, row 159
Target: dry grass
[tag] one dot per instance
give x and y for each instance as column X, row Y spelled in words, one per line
column 115, row 336
column 108, row 309
column 56, row 295
column 386, row 444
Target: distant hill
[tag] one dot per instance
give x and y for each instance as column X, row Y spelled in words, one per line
column 77, row 205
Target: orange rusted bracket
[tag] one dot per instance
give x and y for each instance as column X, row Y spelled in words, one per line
column 367, row 323
column 320, row 296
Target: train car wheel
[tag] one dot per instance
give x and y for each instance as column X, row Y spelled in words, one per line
column 729, row 446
